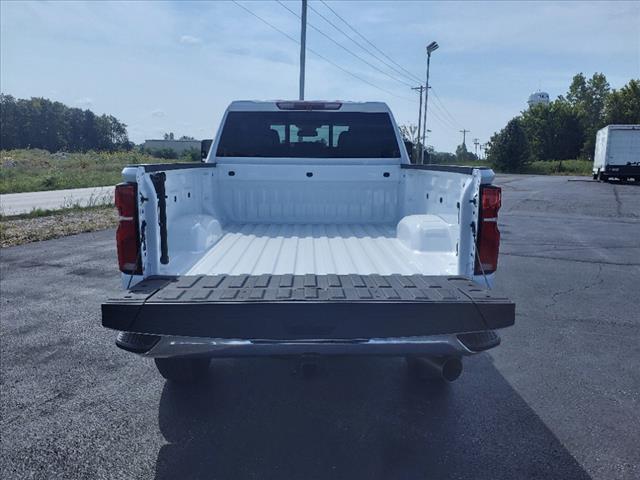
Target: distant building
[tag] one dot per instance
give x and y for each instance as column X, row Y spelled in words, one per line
column 537, row 98
column 178, row 146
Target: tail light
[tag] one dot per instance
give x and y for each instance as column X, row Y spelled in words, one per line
column 127, row 239
column 488, row 240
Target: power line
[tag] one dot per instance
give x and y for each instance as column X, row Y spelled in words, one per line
column 442, row 115
column 454, row 119
column 411, row 75
column 321, row 56
column 442, row 121
column 269, row 24
column 377, row 57
column 435, row 115
column 343, row 47
column 448, row 117
column 438, row 112
column 266, row 22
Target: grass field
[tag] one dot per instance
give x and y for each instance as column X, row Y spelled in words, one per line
column 557, row 167
column 551, row 167
column 36, row 170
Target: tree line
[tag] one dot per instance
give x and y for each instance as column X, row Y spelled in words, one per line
column 41, row 123
column 410, row 134
column 565, row 128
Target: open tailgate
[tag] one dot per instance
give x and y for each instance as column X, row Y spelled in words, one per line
column 293, row 307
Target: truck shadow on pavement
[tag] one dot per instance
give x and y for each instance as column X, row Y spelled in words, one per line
column 357, row 418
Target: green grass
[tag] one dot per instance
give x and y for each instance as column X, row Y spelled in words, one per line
column 32, row 170
column 559, row 167
column 550, row 167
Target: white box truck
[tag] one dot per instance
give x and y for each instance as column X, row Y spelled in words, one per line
column 617, row 153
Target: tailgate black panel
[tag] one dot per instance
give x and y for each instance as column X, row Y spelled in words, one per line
column 307, row 306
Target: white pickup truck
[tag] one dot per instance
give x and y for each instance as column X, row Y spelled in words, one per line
column 307, row 231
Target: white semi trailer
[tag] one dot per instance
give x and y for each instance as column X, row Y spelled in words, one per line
column 617, row 153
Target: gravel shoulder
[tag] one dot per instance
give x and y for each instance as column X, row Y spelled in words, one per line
column 21, row 230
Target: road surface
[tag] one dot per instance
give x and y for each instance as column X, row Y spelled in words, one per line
column 17, row 203
column 559, row 399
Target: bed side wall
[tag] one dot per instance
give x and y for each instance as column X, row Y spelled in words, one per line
column 318, row 194
column 449, row 197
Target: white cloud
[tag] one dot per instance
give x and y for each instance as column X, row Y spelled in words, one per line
column 158, row 113
column 190, row 40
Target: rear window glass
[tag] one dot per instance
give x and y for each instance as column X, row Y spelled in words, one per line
column 308, row 134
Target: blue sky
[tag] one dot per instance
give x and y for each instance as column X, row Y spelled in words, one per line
column 175, row 66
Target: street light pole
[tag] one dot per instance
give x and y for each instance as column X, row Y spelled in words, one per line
column 426, row 101
column 303, row 46
column 430, row 48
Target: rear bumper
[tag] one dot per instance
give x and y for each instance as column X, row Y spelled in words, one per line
column 283, row 309
column 436, row 345
column 622, row 170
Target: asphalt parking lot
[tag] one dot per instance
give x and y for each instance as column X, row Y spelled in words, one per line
column 560, row 398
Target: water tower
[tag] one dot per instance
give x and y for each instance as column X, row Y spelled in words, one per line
column 537, row 98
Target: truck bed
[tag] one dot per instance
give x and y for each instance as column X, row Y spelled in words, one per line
column 321, row 249
column 298, row 307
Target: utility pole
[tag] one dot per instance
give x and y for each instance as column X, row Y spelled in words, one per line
column 430, row 49
column 303, row 46
column 476, row 142
column 464, row 136
column 425, row 145
column 420, row 89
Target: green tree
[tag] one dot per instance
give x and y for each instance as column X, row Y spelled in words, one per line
column 554, row 131
column 440, row 157
column 463, row 155
column 41, row 123
column 623, row 106
column 508, row 150
column 9, row 121
column 587, row 98
column 166, row 153
column 191, row 155
column 410, row 133
column 75, row 122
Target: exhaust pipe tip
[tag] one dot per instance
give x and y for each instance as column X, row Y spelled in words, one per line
column 451, row 369
column 448, row 369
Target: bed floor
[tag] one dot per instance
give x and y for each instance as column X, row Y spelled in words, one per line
column 277, row 249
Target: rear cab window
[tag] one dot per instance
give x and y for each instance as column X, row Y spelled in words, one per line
column 311, row 134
